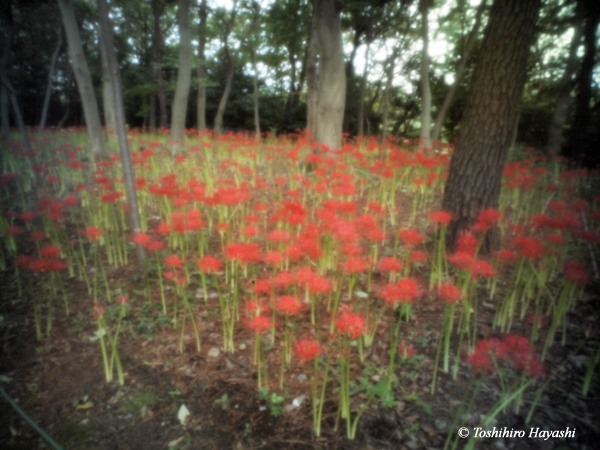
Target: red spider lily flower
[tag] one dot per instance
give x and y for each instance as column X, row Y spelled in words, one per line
column 50, row 252
column 555, row 238
column 319, row 285
column 305, row 275
column 441, row 217
column 481, row 268
column 310, row 247
column 406, row 351
column 55, row 265
column 529, row 247
column 122, row 299
column 257, row 307
column 141, row 239
column 294, row 252
column 488, row 217
column 350, row 324
column 27, row 216
column 507, row 256
column 14, row 230
column 98, row 311
column 289, row 305
column 411, row 237
column 521, row 356
column 353, row 265
column 575, row 272
column 307, row 350
column 38, row 235
column 273, row 258
column 174, row 261
column 259, row 324
column 278, row 236
column 449, row 292
column 24, row 262
column 486, row 352
column 284, row 279
column 263, row 287
column 417, row 256
column 93, row 233
column 155, row 246
column 467, row 243
column 250, row 231
column 462, row 260
column 163, row 229
column 209, row 264
column 389, row 264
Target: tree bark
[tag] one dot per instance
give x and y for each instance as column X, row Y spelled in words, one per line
column 59, row 43
column 312, row 82
column 489, row 118
column 424, row 141
column 110, row 121
column 201, row 107
column 184, row 75
column 230, row 72
column 117, row 91
column 157, row 45
column 460, row 71
column 363, row 88
column 332, row 77
column 256, row 105
column 4, row 62
column 83, row 79
column 386, row 94
column 578, row 149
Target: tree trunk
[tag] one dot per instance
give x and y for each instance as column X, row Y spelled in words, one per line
column 184, row 75
column 83, row 79
column 256, row 110
column 231, row 70
column 201, row 107
column 424, row 141
column 363, row 88
column 157, row 45
column 460, row 71
column 312, row 83
column 110, row 121
column 386, row 94
column 490, row 113
column 59, row 43
column 117, row 91
column 4, row 62
column 565, row 86
column 580, row 131
column 332, row 77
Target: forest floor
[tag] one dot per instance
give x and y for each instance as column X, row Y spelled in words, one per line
column 59, row 381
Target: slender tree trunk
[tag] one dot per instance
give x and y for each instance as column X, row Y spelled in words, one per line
column 312, row 83
column 349, row 103
column 157, row 45
column 363, row 88
column 184, row 75
column 59, row 43
column 580, row 131
column 460, row 71
column 565, row 86
column 4, row 62
column 117, row 91
column 424, row 141
column 201, row 104
column 83, row 79
column 230, row 72
column 490, row 114
column 110, row 121
column 386, row 94
column 256, row 110
column 332, row 77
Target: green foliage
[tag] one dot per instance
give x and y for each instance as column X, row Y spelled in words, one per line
column 274, row 401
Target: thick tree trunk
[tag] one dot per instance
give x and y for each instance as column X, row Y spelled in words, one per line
column 565, row 86
column 157, row 45
column 110, row 121
column 184, row 75
column 424, row 141
column 201, row 104
column 363, row 88
column 332, row 77
column 117, row 91
column 312, row 83
column 83, row 79
column 59, row 43
column 490, row 113
column 578, row 149
column 460, row 71
column 16, row 109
